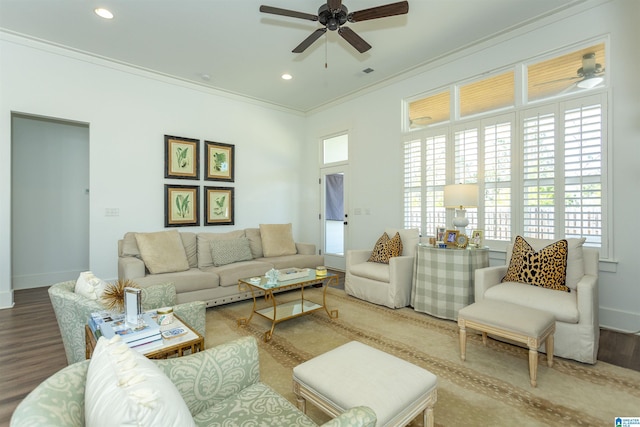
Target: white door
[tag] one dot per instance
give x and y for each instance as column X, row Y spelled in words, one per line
column 333, row 216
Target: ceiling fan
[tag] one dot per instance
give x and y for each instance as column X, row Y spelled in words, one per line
column 333, row 15
column 588, row 76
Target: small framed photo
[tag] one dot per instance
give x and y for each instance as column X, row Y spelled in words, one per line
column 219, row 161
column 451, row 238
column 218, row 205
column 477, row 238
column 440, row 231
column 181, row 157
column 181, row 205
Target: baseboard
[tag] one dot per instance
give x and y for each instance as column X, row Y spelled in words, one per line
column 6, row 299
column 44, row 279
column 619, row 320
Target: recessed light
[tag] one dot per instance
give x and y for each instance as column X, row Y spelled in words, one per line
column 103, row 13
column 286, row 76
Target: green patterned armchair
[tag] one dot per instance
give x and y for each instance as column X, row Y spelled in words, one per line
column 73, row 310
column 221, row 386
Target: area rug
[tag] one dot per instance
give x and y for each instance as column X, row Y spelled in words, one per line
column 491, row 388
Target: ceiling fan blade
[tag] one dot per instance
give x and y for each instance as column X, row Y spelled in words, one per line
column 334, row 4
column 354, row 40
column 287, row 12
column 309, row 40
column 392, row 9
column 557, row 81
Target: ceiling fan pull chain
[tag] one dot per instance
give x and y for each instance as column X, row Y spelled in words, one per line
column 326, row 51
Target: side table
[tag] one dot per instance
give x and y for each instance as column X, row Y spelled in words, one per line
column 443, row 280
column 191, row 342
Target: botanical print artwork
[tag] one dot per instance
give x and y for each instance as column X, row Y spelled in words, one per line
column 219, row 205
column 219, row 161
column 181, row 157
column 181, row 205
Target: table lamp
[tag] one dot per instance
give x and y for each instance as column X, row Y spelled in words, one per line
column 461, row 196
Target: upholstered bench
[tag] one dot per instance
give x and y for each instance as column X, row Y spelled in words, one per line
column 521, row 324
column 355, row 374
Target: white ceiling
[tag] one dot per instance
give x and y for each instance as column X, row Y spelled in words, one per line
column 245, row 52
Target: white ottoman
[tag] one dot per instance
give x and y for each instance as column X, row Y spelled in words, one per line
column 521, row 324
column 355, row 374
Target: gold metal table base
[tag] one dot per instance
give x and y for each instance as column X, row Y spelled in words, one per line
column 277, row 313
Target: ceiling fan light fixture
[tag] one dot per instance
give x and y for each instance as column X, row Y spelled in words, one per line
column 590, row 82
column 286, row 76
column 103, row 13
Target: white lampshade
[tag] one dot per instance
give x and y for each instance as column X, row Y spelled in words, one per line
column 461, row 196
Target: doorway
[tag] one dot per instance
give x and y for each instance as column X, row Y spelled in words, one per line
column 49, row 200
column 334, row 217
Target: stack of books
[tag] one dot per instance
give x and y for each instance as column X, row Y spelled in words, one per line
column 143, row 337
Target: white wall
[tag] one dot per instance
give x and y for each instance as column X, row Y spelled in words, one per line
column 128, row 113
column 375, row 142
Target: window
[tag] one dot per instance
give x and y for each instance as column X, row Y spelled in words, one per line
column 540, row 168
column 335, row 149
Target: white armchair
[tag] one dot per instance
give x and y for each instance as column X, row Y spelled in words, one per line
column 577, row 327
column 383, row 284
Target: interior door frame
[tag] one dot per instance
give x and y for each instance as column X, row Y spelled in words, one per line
column 335, row 261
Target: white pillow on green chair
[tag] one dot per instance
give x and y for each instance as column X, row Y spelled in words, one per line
column 125, row 388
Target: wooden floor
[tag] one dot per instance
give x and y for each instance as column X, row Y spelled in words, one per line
column 31, row 348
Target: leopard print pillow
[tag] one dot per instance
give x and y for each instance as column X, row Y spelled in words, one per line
column 546, row 268
column 386, row 248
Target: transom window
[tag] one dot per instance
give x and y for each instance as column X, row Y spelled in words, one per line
column 540, row 166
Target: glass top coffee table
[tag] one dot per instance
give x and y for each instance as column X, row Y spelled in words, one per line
column 279, row 312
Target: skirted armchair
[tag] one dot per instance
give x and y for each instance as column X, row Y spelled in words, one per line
column 577, row 332
column 73, row 310
column 380, row 283
column 220, row 386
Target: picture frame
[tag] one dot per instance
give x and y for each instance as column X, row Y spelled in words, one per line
column 181, row 205
column 477, row 238
column 181, row 157
column 440, row 232
column 451, row 238
column 219, row 206
column 219, row 161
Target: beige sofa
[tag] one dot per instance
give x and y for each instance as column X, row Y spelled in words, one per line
column 214, row 261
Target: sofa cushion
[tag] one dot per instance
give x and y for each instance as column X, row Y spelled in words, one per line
column 204, row 245
column 277, row 239
column 256, row 405
column 125, row 388
column 371, row 270
column 575, row 258
column 544, row 268
column 255, row 241
column 230, row 274
column 130, row 246
column 225, row 252
column 386, row 248
column 193, row 279
column 291, row 261
column 162, row 252
column 563, row 305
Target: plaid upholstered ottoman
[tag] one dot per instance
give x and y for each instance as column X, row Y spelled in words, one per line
column 355, row 374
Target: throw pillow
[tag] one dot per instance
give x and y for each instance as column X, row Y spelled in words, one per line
column 226, row 252
column 575, row 257
column 204, row 245
column 89, row 286
column 255, row 241
column 125, row 388
column 386, row 248
column 277, row 240
column 162, row 252
column 545, row 268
